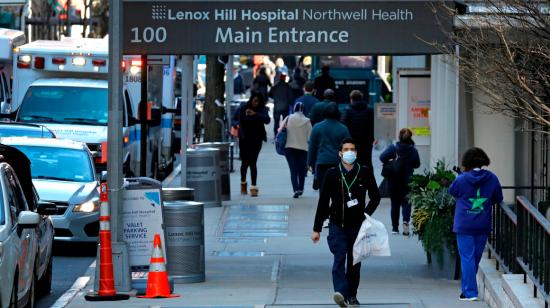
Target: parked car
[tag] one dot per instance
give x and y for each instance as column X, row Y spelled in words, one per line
column 18, row 129
column 63, row 174
column 26, row 234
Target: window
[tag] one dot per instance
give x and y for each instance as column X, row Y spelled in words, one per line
column 336, row 62
column 70, row 105
column 17, row 191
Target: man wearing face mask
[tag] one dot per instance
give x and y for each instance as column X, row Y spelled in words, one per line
column 342, row 201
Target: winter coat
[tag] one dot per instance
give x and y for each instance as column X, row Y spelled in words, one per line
column 282, row 96
column 334, row 196
column 251, row 127
column 308, row 101
column 475, row 192
column 260, row 84
column 298, row 130
column 324, row 142
column 359, row 119
column 317, row 113
column 321, row 83
column 399, row 187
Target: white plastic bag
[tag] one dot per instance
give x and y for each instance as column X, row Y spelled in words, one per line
column 372, row 240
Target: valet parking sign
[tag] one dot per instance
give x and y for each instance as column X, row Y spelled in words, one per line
column 286, row 27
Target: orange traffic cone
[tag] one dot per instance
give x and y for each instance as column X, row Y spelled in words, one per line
column 157, row 280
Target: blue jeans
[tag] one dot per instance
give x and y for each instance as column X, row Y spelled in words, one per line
column 345, row 275
column 398, row 203
column 470, row 249
column 297, row 162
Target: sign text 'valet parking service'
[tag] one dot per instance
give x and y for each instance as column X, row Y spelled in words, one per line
column 285, row 27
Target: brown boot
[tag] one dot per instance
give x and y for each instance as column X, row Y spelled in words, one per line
column 254, row 191
column 243, row 188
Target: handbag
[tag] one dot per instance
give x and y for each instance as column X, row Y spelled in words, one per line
column 384, row 188
column 280, row 139
column 393, row 168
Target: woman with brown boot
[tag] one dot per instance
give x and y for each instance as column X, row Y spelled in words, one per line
column 250, row 119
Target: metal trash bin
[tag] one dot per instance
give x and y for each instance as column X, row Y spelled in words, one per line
column 225, row 148
column 178, row 194
column 184, row 225
column 203, row 174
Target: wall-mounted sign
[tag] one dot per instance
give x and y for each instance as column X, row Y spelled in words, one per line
column 285, row 27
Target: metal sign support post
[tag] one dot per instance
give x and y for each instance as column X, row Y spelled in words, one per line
column 114, row 147
column 143, row 117
column 228, row 93
column 186, row 64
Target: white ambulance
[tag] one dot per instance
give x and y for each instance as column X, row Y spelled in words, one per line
column 63, row 85
column 9, row 39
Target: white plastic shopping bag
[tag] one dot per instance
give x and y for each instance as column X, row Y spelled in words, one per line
column 372, row 240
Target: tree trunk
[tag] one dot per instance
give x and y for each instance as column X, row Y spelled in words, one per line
column 215, row 89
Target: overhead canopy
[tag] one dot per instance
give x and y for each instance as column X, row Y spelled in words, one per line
column 286, row 27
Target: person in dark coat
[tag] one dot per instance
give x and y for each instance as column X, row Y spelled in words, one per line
column 323, row 82
column 250, row 119
column 317, row 113
column 399, row 187
column 359, row 119
column 297, row 84
column 262, row 82
column 308, row 100
column 476, row 190
column 343, row 202
column 238, row 83
column 282, row 97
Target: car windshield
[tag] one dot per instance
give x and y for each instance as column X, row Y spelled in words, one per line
column 58, row 163
column 23, row 131
column 68, row 105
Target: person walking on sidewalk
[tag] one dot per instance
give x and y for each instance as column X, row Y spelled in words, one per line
column 307, row 99
column 250, row 119
column 342, row 201
column 323, row 82
column 475, row 191
column 298, row 129
column 324, row 142
column 317, row 113
column 405, row 151
column 359, row 119
column 282, row 97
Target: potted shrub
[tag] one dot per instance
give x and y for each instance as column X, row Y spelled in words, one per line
column 432, row 218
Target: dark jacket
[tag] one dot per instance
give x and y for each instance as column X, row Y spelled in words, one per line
column 359, row 119
column 282, row 96
column 260, row 84
column 321, row 83
column 308, row 101
column 324, row 142
column 475, row 192
column 317, row 113
column 251, row 128
column 238, row 85
column 409, row 154
column 334, row 197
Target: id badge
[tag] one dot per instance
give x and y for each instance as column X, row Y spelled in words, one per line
column 352, row 203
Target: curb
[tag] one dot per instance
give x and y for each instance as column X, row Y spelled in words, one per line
column 80, row 283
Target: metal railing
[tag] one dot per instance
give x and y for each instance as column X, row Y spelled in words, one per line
column 520, row 243
column 533, row 240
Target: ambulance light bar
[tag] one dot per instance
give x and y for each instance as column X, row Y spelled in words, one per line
column 79, row 61
column 59, row 61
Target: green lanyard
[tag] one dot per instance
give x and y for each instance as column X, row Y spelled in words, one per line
column 348, row 187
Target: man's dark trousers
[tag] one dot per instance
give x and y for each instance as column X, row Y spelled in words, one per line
column 277, row 114
column 345, row 275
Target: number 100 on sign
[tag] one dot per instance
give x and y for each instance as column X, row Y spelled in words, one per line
column 148, row 35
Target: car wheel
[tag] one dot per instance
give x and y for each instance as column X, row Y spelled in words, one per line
column 13, row 297
column 45, row 283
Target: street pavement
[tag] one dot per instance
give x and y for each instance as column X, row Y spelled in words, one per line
column 259, row 254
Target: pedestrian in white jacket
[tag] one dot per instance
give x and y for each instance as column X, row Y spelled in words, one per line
column 298, row 129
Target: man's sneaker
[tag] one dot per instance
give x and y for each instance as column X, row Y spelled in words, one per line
column 406, row 231
column 395, row 231
column 352, row 301
column 339, row 299
column 464, row 298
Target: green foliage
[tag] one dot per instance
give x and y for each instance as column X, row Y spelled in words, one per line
column 433, row 212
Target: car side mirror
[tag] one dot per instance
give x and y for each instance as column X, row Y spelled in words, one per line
column 46, row 208
column 28, row 219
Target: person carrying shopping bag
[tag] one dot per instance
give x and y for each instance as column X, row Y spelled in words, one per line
column 475, row 191
column 298, row 129
column 343, row 202
column 404, row 157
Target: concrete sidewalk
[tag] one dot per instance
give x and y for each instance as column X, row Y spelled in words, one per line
column 261, row 255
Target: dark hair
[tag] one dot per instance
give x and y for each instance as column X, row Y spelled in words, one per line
column 405, row 136
column 308, row 86
column 356, row 96
column 475, row 158
column 260, row 97
column 299, row 106
column 325, row 69
column 347, row 140
column 329, row 94
column 332, row 112
column 262, row 71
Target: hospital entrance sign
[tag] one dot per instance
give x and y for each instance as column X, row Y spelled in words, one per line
column 285, row 27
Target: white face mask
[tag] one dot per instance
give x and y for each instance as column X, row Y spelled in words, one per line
column 349, row 157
